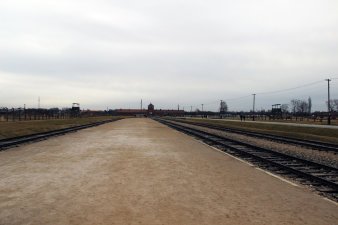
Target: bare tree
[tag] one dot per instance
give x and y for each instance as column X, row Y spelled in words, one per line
column 303, row 107
column 299, row 106
column 294, row 105
column 333, row 104
column 285, row 108
column 223, row 108
column 309, row 102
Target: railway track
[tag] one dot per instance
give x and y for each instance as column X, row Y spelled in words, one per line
column 316, row 145
column 323, row 178
column 16, row 141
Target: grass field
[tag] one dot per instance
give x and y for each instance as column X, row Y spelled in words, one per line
column 307, row 133
column 19, row 128
column 293, row 120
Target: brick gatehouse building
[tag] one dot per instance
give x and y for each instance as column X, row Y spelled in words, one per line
column 151, row 111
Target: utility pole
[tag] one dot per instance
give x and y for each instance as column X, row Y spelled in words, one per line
column 328, row 102
column 202, row 107
column 39, row 102
column 220, row 108
column 24, row 110
column 141, row 104
column 253, row 107
column 178, row 107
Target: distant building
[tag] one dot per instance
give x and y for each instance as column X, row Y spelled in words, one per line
column 91, row 112
column 151, row 111
column 131, row 112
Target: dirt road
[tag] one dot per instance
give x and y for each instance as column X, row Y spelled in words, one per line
column 137, row 171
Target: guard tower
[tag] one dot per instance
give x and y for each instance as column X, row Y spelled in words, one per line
column 151, row 109
column 75, row 109
column 276, row 111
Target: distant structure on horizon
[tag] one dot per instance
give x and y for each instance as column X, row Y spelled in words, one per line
column 151, row 111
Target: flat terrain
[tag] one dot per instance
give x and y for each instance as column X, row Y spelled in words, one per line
column 299, row 120
column 19, row 128
column 137, row 171
column 306, row 132
column 291, row 123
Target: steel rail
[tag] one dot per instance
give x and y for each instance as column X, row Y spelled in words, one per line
column 317, row 145
column 326, row 176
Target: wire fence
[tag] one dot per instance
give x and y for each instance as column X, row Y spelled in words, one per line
column 23, row 114
column 311, row 118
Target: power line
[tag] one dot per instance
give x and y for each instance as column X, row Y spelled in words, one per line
column 290, row 89
column 267, row 93
column 280, row 91
column 233, row 99
column 328, row 102
column 210, row 103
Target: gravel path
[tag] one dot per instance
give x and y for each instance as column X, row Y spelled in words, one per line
column 138, row 171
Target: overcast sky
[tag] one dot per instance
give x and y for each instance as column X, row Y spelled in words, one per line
column 104, row 53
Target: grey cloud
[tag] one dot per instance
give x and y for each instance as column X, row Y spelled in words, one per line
column 186, row 52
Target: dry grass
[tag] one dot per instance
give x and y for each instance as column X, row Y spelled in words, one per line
column 299, row 120
column 306, row 133
column 19, row 128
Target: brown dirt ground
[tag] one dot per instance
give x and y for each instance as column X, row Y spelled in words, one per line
column 137, row 171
